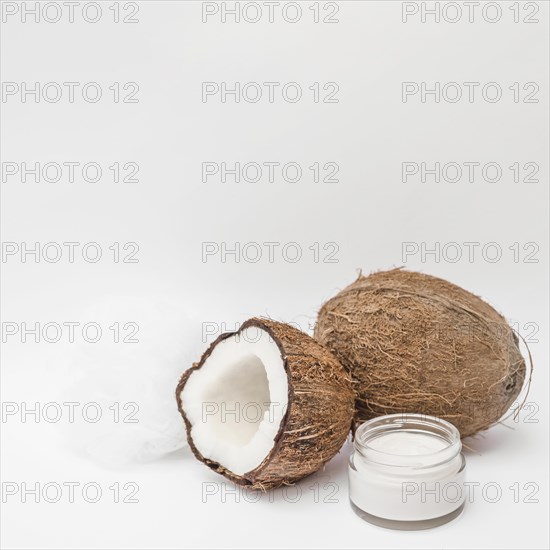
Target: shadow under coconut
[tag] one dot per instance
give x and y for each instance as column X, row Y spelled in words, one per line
column 500, row 438
column 329, row 485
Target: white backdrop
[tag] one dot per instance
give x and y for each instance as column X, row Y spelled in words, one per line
column 352, row 187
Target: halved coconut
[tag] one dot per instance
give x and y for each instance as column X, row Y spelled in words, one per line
column 266, row 405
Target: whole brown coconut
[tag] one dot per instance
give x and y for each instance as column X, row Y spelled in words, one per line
column 416, row 343
column 304, row 394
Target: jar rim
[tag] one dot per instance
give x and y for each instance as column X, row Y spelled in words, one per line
column 408, row 423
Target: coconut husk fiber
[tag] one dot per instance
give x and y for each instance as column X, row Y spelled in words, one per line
column 417, row 343
column 318, row 417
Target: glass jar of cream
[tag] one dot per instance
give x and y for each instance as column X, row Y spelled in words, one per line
column 407, row 471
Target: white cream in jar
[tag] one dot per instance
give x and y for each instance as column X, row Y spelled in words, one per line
column 407, row 471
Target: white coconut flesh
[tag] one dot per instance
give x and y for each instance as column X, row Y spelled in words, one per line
column 236, row 401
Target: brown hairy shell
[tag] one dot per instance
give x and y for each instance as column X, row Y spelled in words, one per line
column 318, row 416
column 417, row 343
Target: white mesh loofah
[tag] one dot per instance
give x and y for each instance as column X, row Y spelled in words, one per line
column 131, row 384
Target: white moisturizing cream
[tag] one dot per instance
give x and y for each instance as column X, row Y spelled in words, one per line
column 407, row 471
